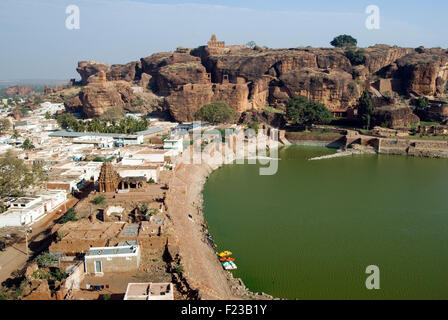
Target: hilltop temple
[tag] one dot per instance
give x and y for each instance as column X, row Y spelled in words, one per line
column 215, row 44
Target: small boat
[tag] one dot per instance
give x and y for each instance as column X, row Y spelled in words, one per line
column 229, row 265
column 225, row 253
column 226, row 259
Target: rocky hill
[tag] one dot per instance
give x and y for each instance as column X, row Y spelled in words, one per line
column 247, row 78
column 20, row 91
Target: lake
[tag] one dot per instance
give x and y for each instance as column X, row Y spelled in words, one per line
column 311, row 230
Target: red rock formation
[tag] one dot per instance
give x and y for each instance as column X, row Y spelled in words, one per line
column 100, row 95
column 127, row 72
column 248, row 78
column 336, row 89
column 424, row 73
column 89, row 68
column 19, row 91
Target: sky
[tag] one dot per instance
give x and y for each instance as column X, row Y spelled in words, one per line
column 35, row 43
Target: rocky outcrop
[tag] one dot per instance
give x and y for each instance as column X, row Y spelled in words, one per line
column 90, row 68
column 424, row 73
column 127, row 72
column 395, row 117
column 334, row 88
column 152, row 64
column 253, row 78
column 19, row 91
column 100, row 95
column 381, row 56
column 172, row 76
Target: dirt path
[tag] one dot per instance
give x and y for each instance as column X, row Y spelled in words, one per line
column 200, row 263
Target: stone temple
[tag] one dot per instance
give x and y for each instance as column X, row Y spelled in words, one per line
column 110, row 181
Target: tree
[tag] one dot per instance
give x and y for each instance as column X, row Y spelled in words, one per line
column 365, row 109
column 47, row 115
column 16, row 177
column 5, row 125
column 45, row 259
column 28, row 145
column 66, row 120
column 343, row 41
column 356, row 57
column 300, row 110
column 215, row 112
column 422, row 103
column 251, row 44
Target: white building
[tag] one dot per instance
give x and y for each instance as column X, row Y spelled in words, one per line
column 27, row 210
column 51, row 108
column 174, row 144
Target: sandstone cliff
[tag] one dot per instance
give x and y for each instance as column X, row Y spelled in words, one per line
column 255, row 78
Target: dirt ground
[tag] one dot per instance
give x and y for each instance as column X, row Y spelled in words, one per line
column 198, row 259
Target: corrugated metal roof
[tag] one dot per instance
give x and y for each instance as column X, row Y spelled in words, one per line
column 70, row 134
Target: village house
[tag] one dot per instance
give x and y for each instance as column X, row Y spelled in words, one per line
column 27, row 210
column 177, row 145
column 149, row 291
column 121, row 258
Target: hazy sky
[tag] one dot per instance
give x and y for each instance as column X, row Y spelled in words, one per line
column 35, row 44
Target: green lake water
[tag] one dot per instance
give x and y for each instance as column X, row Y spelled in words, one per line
column 310, row 231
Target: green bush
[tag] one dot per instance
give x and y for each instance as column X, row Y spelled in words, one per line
column 45, row 259
column 179, row 269
column 356, row 57
column 99, row 200
column 215, row 112
column 27, row 145
column 69, row 216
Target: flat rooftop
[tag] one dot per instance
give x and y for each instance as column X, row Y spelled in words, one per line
column 149, row 291
column 104, row 251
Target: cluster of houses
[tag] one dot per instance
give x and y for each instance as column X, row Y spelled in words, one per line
column 73, row 159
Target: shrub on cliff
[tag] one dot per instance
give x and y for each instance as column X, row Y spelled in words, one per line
column 343, row 41
column 215, row 112
column 356, row 57
column 300, row 110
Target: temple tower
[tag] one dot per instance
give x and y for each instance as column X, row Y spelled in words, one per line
column 108, row 179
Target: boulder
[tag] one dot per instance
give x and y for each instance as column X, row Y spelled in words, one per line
column 395, row 117
column 89, row 68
